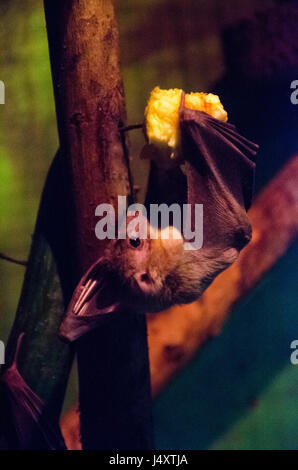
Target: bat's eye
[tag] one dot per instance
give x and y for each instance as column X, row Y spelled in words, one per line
column 135, row 242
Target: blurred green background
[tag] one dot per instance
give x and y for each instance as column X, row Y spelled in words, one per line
column 240, row 392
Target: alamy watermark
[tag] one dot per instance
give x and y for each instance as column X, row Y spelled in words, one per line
column 294, row 94
column 2, row 353
column 294, row 355
column 2, row 92
column 133, row 222
column 2, row 101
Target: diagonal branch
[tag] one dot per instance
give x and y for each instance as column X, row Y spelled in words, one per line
column 13, row 260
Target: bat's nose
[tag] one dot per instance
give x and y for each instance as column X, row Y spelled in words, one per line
column 145, row 282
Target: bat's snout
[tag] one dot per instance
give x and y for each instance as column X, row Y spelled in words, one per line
column 146, row 283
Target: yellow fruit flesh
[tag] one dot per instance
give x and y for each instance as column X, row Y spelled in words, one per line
column 161, row 114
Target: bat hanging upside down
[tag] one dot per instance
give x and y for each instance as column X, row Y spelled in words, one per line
column 152, row 274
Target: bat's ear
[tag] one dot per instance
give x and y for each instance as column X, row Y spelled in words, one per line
column 96, row 295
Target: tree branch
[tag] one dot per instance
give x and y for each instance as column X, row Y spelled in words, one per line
column 113, row 360
column 13, row 260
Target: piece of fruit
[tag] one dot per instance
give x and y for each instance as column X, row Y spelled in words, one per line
column 162, row 120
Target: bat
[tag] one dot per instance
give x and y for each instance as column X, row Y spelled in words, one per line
column 23, row 424
column 150, row 275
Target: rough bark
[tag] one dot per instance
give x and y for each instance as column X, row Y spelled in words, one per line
column 113, row 361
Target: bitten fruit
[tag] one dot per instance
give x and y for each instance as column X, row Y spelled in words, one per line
column 162, row 118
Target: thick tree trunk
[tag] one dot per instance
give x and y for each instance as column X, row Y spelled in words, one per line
column 113, row 360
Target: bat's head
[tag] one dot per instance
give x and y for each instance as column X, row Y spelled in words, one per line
column 148, row 270
column 145, row 264
column 157, row 271
column 144, row 275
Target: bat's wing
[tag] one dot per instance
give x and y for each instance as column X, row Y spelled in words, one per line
column 94, row 297
column 23, row 424
column 219, row 167
column 165, row 186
